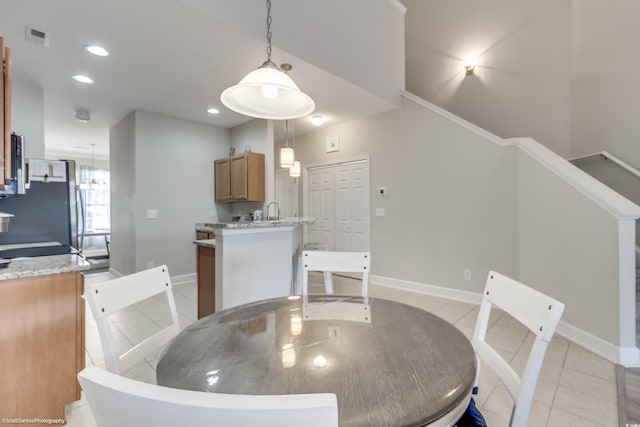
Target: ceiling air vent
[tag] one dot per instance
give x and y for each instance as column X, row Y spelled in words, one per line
column 36, row 36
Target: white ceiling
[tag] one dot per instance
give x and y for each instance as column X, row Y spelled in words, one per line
column 165, row 56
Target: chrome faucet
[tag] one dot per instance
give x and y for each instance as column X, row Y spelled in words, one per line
column 269, row 218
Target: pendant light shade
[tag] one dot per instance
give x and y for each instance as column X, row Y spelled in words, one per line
column 286, row 157
column 268, row 92
column 295, row 170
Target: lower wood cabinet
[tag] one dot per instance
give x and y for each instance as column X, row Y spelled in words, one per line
column 206, row 280
column 203, row 235
column 41, row 345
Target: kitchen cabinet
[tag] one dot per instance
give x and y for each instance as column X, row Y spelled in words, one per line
column 240, row 178
column 42, row 339
column 206, row 268
column 204, row 235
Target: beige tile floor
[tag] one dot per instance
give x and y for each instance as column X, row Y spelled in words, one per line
column 575, row 388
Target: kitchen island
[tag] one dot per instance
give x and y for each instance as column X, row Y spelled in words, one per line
column 254, row 260
column 42, row 336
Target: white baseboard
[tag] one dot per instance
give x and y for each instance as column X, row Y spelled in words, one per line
column 437, row 291
column 184, row 279
column 114, row 273
column 626, row 356
column 175, row 280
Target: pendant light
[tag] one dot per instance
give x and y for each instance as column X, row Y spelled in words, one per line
column 94, row 184
column 268, row 92
column 287, row 155
column 294, row 171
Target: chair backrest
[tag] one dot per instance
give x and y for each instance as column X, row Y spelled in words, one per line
column 337, row 262
column 117, row 401
column 106, row 298
column 535, row 310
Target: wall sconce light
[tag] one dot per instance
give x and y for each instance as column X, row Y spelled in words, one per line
column 470, row 69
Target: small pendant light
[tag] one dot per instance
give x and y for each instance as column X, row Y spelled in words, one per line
column 287, row 155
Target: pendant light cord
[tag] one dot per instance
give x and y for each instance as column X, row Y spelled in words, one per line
column 268, row 30
column 286, row 133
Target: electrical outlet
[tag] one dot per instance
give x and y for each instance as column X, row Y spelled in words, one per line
column 149, row 264
column 152, row 214
column 467, row 274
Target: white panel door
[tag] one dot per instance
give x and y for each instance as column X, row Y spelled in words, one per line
column 287, row 194
column 352, row 206
column 321, row 206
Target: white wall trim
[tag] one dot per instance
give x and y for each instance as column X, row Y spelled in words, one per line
column 626, row 356
column 115, row 273
column 618, row 206
column 611, row 157
column 455, row 119
column 183, row 279
column 399, row 6
column 175, row 280
column 432, row 290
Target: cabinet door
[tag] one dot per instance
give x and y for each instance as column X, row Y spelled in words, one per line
column 222, row 183
column 238, row 168
column 240, row 178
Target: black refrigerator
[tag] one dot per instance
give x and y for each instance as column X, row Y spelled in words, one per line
column 45, row 218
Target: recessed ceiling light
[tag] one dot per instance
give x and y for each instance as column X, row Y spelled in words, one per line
column 97, row 50
column 213, row 111
column 82, row 78
column 317, row 120
column 83, row 115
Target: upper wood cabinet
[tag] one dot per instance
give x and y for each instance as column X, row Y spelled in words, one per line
column 240, row 178
column 222, row 180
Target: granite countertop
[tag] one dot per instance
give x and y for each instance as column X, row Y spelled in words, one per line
column 43, row 265
column 210, row 243
column 284, row 222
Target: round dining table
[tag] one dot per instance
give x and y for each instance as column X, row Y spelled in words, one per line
column 388, row 363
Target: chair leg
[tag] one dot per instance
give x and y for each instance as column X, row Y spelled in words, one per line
column 328, row 282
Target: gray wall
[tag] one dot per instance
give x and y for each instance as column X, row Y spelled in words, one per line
column 560, row 71
column 27, row 117
column 122, row 140
column 605, row 85
column 459, row 198
column 568, row 248
column 523, row 49
column 170, row 170
column 451, row 201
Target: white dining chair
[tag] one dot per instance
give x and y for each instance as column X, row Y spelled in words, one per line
column 336, row 262
column 117, row 401
column 109, row 297
column 327, row 275
column 535, row 310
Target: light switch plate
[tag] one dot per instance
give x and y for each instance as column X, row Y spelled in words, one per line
column 333, row 143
